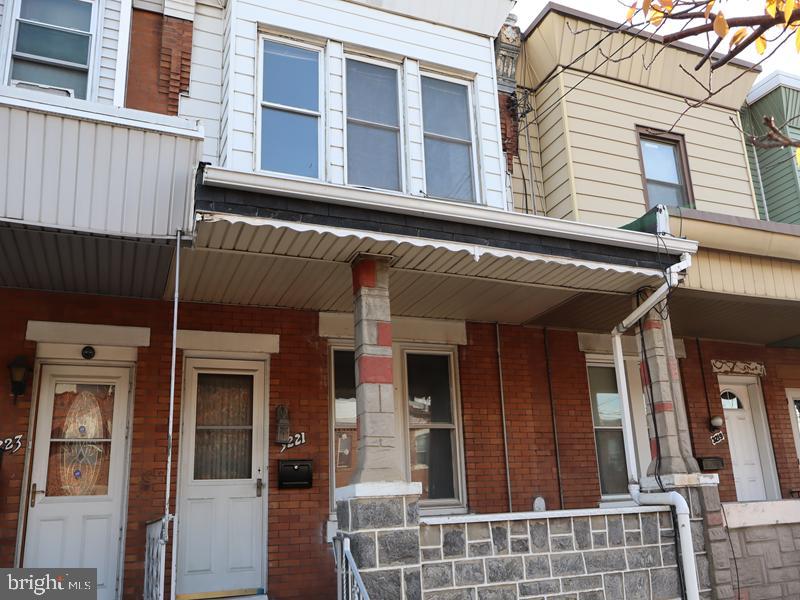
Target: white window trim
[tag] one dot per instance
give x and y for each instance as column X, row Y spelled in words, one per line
column 431, row 507
column 427, row 507
column 477, row 186
column 793, row 394
column 94, row 34
column 260, row 104
column 640, row 427
column 402, row 149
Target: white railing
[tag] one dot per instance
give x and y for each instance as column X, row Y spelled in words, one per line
column 349, row 585
column 154, row 560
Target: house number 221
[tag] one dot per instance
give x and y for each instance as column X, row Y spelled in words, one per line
column 298, row 439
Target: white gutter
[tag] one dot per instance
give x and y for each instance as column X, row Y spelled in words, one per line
column 674, row 499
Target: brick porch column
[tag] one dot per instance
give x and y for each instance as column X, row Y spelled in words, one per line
column 378, row 510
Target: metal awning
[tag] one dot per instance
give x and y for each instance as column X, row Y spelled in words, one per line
column 269, row 262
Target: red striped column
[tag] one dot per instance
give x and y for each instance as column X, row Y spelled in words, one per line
column 379, row 457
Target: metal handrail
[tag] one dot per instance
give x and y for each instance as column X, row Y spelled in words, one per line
column 349, row 585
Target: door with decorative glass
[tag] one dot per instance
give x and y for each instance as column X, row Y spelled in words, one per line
column 222, row 508
column 79, row 472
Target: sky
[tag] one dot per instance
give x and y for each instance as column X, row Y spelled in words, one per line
column 785, row 58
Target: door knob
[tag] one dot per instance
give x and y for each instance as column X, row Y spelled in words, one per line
column 34, row 491
column 259, row 487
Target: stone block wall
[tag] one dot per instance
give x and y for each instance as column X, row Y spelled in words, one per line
column 384, row 540
column 766, row 561
column 623, row 553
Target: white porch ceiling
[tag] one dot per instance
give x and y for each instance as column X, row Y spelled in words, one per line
column 271, row 263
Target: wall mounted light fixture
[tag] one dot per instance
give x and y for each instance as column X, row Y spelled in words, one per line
column 18, row 373
column 716, row 422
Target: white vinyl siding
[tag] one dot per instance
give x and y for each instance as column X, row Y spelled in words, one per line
column 205, row 86
column 340, row 26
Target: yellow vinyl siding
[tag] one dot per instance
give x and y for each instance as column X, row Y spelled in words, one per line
column 744, row 274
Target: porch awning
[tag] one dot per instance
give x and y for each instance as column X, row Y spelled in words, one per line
column 334, row 244
column 269, row 262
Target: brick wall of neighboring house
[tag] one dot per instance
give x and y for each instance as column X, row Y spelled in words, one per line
column 160, row 60
column 509, row 127
column 702, row 389
column 300, row 562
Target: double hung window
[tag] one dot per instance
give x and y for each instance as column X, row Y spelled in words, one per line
column 373, row 125
column 53, row 44
column 665, row 172
column 608, row 435
column 290, row 109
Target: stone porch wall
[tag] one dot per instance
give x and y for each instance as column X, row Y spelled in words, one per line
column 607, row 555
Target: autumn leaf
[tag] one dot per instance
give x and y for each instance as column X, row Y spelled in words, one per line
column 788, row 9
column 738, row 35
column 796, row 41
column 656, row 17
column 646, row 7
column 631, row 12
column 771, row 7
column 707, row 11
column 797, row 156
column 761, row 44
column 720, row 25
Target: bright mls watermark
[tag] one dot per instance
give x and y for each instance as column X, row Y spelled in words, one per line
column 55, row 584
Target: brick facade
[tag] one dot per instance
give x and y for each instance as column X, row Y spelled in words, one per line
column 300, row 561
column 702, row 389
column 160, row 61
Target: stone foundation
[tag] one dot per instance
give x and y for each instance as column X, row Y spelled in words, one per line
column 384, row 540
column 606, row 555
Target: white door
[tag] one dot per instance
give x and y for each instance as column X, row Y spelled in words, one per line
column 221, row 518
column 745, row 456
column 79, row 472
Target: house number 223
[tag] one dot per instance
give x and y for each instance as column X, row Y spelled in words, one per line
column 11, row 444
column 298, row 439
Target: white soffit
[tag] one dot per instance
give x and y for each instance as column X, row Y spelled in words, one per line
column 221, row 341
column 232, row 233
column 87, row 334
column 405, row 329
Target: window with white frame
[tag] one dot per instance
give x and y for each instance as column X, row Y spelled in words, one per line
column 373, row 125
column 52, row 45
column 449, row 159
column 434, row 454
column 291, row 119
column 608, row 434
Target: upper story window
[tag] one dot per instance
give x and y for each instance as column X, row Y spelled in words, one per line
column 52, row 45
column 290, row 109
column 449, row 161
column 666, row 170
column 373, row 125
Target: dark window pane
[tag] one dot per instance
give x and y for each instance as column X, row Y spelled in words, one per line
column 372, row 93
column 73, row 14
column 53, row 43
column 606, row 408
column 344, row 397
column 291, row 76
column 373, row 157
column 289, row 143
column 611, row 461
column 448, row 170
column 432, row 462
column 61, row 77
column 445, row 108
column 429, row 399
column 82, row 411
column 730, row 401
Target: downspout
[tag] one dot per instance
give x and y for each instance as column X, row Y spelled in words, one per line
column 171, row 422
column 674, row 499
column 553, row 418
column 503, row 415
